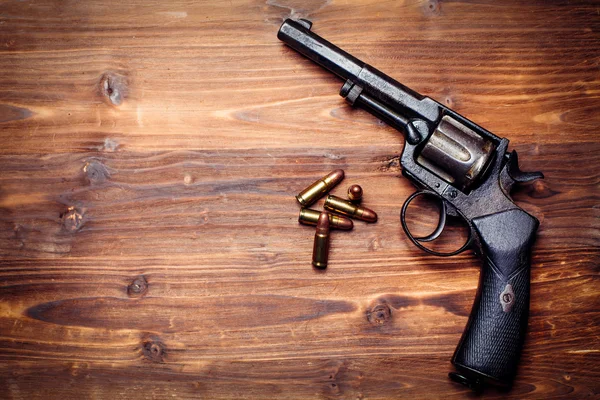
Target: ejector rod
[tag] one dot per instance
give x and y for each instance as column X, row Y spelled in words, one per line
column 393, row 94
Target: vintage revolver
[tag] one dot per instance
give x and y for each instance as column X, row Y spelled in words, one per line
column 471, row 173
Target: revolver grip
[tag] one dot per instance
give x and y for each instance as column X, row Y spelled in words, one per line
column 490, row 346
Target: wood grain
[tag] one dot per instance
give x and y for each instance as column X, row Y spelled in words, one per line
column 151, row 151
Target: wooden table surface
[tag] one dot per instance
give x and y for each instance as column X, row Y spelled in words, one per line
column 150, row 154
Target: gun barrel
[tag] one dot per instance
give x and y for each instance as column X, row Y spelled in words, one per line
column 300, row 38
column 373, row 83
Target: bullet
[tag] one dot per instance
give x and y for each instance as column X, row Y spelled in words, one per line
column 355, row 193
column 310, row 217
column 315, row 191
column 345, row 207
column 321, row 245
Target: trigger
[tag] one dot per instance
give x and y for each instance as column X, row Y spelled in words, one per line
column 511, row 173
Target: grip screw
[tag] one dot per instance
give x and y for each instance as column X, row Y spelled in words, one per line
column 507, row 298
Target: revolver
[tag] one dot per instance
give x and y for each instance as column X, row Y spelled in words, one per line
column 470, row 173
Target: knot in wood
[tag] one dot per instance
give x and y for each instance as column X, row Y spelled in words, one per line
column 95, row 172
column 390, row 164
column 154, row 350
column 113, row 88
column 432, row 8
column 379, row 314
column 138, row 287
column 72, row 219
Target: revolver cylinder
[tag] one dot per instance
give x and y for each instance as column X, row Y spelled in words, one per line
column 456, row 153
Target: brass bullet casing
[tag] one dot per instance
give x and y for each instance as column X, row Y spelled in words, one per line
column 355, row 193
column 321, row 245
column 345, row 207
column 310, row 217
column 315, row 191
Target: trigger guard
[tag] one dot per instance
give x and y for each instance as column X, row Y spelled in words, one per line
column 441, row 224
column 435, row 234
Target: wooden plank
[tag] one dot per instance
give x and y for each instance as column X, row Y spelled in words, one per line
column 151, row 151
column 179, row 89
